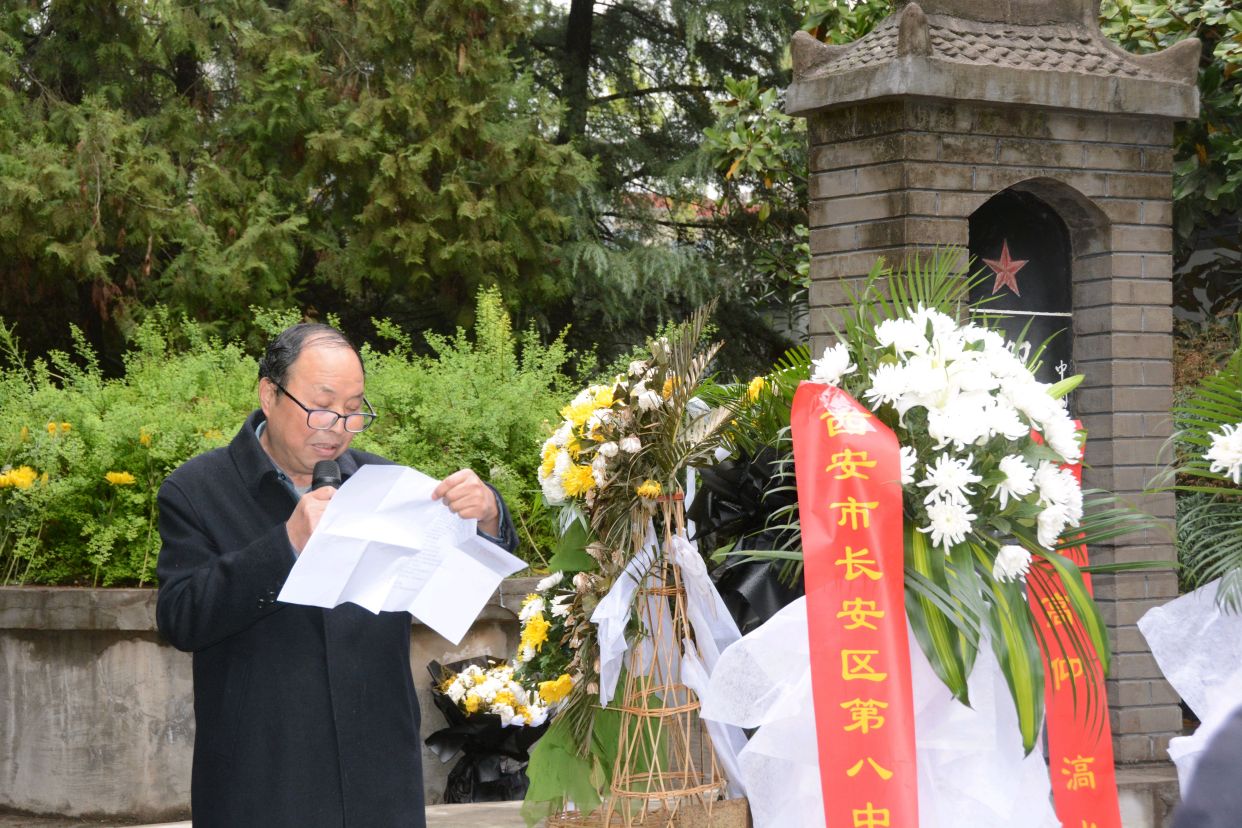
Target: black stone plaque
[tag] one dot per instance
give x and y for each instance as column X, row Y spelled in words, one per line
column 1023, row 248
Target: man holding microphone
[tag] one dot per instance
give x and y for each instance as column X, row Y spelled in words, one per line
column 305, row 716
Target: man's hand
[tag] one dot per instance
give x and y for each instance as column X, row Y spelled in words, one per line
column 306, row 516
column 469, row 497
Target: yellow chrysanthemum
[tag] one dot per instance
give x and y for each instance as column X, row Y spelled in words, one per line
column 535, row 633
column 22, row 477
column 479, row 678
column 650, row 489
column 65, row 427
column 577, row 413
column 51, row 428
column 578, row 480
column 143, row 437
column 505, row 697
column 557, row 689
column 667, row 390
column 549, row 459
column 755, row 388
column 472, row 703
column 121, row 478
column 604, row 397
column 573, row 447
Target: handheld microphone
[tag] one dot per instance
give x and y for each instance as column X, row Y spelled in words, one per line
column 326, row 473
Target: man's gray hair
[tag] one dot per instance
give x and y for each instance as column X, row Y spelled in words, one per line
column 284, row 349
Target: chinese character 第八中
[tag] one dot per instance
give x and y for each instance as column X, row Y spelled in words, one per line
column 865, row 715
column 880, row 771
column 871, row 817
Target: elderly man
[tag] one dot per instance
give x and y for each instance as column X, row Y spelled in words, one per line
column 305, row 717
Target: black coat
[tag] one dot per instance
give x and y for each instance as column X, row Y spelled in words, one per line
column 305, row 717
column 1214, row 798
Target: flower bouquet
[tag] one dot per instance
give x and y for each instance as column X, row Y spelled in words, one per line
column 492, row 722
column 986, row 456
column 614, row 467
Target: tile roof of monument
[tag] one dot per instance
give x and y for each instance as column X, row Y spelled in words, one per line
column 1058, row 48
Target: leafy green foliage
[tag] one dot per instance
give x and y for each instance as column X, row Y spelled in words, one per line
column 482, row 401
column 371, row 158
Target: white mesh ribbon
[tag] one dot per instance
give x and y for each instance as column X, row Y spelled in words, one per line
column 970, row 763
column 1199, row 650
column 713, row 626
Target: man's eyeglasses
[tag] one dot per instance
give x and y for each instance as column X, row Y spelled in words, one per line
column 322, row 419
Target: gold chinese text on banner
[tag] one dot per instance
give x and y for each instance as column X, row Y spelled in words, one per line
column 849, row 497
column 1080, row 743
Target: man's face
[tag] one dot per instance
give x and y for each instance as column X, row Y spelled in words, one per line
column 323, row 376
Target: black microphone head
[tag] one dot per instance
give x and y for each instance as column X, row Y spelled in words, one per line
column 326, row 473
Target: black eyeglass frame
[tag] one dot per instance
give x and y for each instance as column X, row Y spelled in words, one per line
column 369, row 416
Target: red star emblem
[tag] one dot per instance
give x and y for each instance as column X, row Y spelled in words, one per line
column 1006, row 270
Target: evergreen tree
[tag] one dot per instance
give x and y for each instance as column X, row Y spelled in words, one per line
column 362, row 157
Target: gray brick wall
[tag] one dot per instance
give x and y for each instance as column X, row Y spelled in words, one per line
column 893, row 178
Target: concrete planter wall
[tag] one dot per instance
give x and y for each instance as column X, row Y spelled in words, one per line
column 96, row 710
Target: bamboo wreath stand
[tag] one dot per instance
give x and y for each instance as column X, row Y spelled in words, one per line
column 666, row 774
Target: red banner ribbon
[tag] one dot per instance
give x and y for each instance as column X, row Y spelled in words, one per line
column 1080, row 742
column 848, row 468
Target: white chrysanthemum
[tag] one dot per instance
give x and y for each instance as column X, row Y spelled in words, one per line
column 949, row 479
column 1012, row 564
column 943, row 326
column 1225, row 453
column 1004, row 420
column 964, row 420
column 599, row 470
column 1032, row 399
column 904, row 335
column 608, row 449
column 949, row 523
column 532, row 606
column 456, row 691
column 1051, row 525
column 1058, row 487
column 563, row 434
column 550, row 581
column 888, row 383
column 1019, row 479
column 600, row 419
column 559, row 608
column 637, row 368
column 1062, row 436
column 909, row 461
column 553, row 485
column 834, row 364
column 536, row 714
column 649, row 400
column 631, row 444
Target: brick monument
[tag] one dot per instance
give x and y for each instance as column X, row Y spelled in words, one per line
column 952, row 110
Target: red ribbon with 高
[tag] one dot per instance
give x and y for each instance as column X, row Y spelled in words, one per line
column 1080, row 742
column 848, row 468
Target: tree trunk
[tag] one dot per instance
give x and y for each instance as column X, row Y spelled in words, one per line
column 576, row 69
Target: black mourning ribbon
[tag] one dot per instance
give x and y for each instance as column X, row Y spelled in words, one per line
column 492, row 767
column 733, row 501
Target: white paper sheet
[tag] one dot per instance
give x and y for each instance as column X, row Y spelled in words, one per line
column 384, row 544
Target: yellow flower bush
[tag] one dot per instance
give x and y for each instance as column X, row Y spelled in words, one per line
column 22, row 477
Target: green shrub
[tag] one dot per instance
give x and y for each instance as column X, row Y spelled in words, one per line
column 82, row 457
